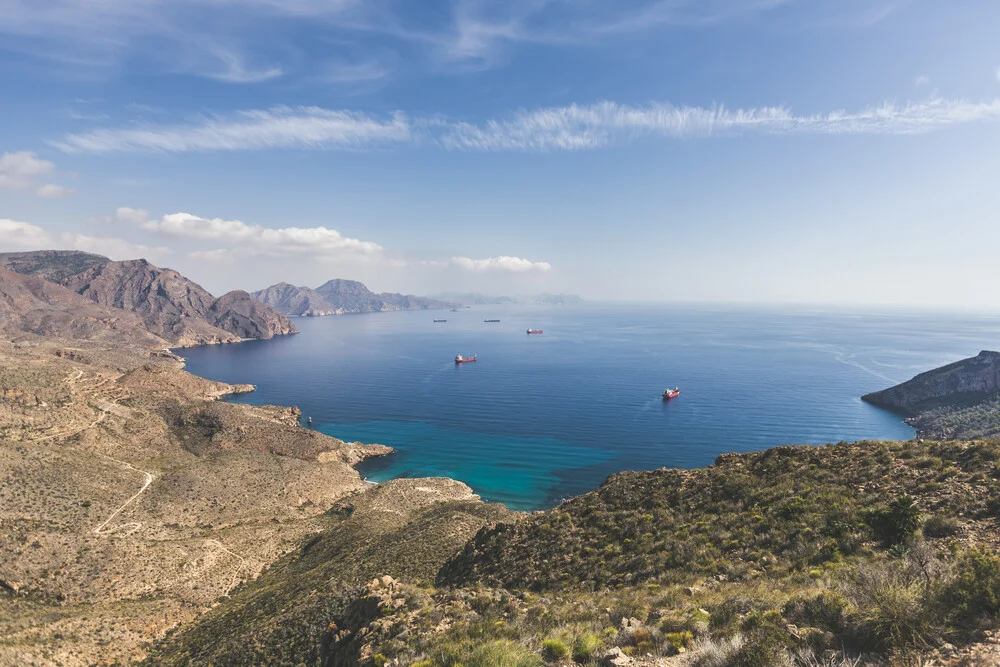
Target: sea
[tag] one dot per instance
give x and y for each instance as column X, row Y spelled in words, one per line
column 539, row 418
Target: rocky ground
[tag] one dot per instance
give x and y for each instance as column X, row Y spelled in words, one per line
column 131, row 501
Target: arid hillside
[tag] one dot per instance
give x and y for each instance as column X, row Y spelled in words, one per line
column 130, row 499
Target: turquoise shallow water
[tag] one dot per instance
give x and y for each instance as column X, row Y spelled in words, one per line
column 541, row 418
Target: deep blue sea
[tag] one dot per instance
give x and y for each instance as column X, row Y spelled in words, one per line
column 540, row 418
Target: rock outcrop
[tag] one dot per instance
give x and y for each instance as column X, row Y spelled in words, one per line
column 237, row 313
column 966, row 381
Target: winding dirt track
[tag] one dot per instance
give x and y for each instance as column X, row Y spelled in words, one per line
column 132, row 525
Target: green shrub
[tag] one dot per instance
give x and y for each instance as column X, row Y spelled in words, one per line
column 940, row 526
column 896, row 523
column 554, row 649
column 679, row 640
column 379, row 660
column 586, row 647
column 766, row 641
column 975, row 592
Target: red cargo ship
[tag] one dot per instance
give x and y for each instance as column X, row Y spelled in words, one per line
column 671, row 393
column 459, row 359
column 535, row 331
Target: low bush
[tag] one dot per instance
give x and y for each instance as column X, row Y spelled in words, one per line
column 975, row 592
column 554, row 649
column 586, row 647
column 897, row 522
column 940, row 526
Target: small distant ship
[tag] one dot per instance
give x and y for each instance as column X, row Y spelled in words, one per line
column 671, row 393
column 491, row 320
column 440, row 320
column 535, row 331
column 459, row 359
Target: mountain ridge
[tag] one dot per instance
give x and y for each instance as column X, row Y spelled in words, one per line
column 172, row 306
column 340, row 297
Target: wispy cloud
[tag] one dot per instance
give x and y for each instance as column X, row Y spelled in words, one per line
column 252, row 41
column 16, row 235
column 502, row 263
column 24, row 170
column 581, row 127
column 282, row 127
column 253, row 239
column 573, row 127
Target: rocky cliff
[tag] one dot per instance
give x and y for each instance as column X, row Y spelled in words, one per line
column 960, row 400
column 968, row 380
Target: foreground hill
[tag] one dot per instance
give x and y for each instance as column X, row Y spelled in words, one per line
column 960, row 400
column 171, row 306
column 880, row 549
column 339, row 297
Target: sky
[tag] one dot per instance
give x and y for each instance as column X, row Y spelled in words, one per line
column 750, row 151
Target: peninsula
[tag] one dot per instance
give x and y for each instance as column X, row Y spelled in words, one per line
column 960, row 400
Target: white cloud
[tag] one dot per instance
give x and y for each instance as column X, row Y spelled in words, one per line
column 53, row 191
column 15, row 235
column 573, row 127
column 255, row 239
column 579, row 127
column 502, row 263
column 25, row 170
column 921, row 80
column 281, row 127
column 214, row 256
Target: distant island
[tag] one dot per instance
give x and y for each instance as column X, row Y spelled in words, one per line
column 340, row 297
column 960, row 400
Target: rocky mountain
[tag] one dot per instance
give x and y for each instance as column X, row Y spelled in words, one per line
column 955, row 401
column 171, row 306
column 338, row 297
column 52, row 265
column 29, row 304
column 237, row 312
column 295, row 301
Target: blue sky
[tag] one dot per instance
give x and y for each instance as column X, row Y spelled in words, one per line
column 682, row 150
